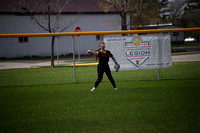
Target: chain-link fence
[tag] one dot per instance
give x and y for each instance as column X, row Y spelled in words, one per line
column 27, row 60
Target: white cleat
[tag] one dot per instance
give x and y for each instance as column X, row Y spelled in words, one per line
column 115, row 88
column 93, row 89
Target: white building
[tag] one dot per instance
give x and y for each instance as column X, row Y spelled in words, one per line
column 85, row 14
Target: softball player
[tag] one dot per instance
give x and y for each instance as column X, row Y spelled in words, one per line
column 103, row 66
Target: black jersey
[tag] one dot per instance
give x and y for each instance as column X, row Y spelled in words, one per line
column 104, row 57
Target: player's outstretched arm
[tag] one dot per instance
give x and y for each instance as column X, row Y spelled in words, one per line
column 92, row 52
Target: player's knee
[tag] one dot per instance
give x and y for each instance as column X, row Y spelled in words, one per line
column 99, row 80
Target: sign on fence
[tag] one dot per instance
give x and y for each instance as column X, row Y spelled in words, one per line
column 140, row 52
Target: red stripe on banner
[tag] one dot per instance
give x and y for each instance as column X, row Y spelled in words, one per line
column 145, row 46
column 137, row 56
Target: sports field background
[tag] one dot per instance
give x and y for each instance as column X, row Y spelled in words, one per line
column 41, row 99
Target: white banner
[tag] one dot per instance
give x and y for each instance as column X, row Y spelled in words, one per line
column 140, row 52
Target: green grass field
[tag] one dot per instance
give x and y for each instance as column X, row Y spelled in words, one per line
column 47, row 100
column 64, row 74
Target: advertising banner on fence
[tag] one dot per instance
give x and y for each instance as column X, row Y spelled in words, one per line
column 140, row 52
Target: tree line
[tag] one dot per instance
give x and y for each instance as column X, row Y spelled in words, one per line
column 184, row 13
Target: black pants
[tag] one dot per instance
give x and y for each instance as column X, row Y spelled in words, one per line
column 101, row 69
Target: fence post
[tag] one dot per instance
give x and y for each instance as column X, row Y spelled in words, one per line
column 158, row 74
column 57, row 49
column 73, row 48
column 78, row 47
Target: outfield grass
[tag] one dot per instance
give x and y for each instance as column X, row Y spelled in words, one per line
column 63, row 74
column 140, row 106
column 47, row 100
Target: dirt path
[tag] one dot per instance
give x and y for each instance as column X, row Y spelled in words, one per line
column 32, row 64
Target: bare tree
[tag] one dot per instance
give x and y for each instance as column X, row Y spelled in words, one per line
column 137, row 7
column 191, row 14
column 144, row 12
column 120, row 6
column 164, row 11
column 46, row 14
column 176, row 10
column 141, row 11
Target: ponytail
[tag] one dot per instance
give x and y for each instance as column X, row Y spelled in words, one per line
column 95, row 56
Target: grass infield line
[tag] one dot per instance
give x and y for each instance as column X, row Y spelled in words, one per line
column 84, row 64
